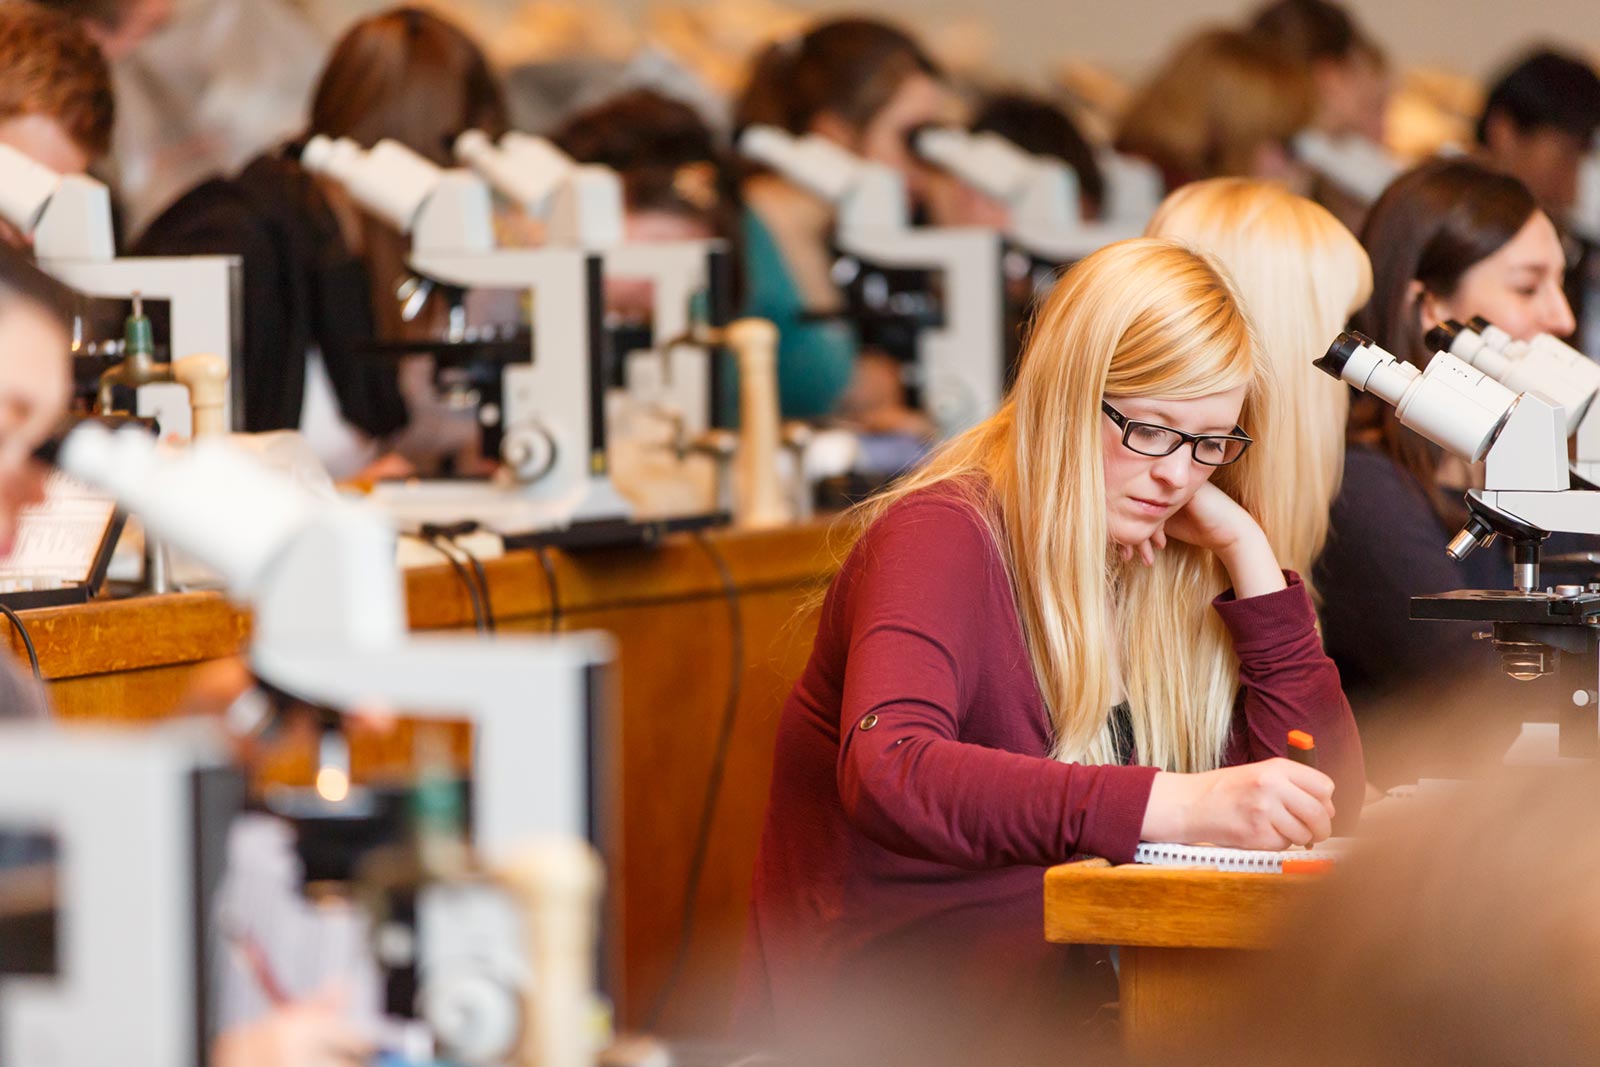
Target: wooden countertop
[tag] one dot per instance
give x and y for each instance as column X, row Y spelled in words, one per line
column 1136, row 905
column 112, row 636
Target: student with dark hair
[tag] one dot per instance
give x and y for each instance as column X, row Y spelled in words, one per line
column 1348, row 70
column 1450, row 239
column 1539, row 121
column 319, row 273
column 1036, row 125
column 865, row 85
column 673, row 175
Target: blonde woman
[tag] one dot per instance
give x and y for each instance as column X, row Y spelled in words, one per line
column 1033, row 651
column 1300, row 275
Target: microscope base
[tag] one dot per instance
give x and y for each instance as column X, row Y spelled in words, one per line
column 523, row 522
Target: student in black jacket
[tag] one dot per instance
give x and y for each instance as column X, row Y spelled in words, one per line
column 319, row 273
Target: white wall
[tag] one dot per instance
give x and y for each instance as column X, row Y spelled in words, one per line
column 1469, row 36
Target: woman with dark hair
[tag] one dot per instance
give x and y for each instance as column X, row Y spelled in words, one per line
column 319, row 273
column 1449, row 239
column 865, row 85
column 674, row 182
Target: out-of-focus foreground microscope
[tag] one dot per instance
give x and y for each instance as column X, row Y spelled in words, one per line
column 501, row 954
column 68, row 218
column 959, row 369
column 1521, row 438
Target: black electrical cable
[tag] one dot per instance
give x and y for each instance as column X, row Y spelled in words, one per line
column 548, row 565
column 448, row 538
column 719, row 766
column 27, row 640
column 441, row 546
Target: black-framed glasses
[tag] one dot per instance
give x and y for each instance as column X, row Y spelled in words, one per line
column 1153, row 439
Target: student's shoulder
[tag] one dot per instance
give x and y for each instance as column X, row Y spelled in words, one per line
column 935, row 525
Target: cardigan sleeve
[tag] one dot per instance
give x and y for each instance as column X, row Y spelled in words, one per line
column 1289, row 683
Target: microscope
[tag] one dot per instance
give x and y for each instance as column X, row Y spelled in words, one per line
column 1357, row 166
column 139, row 820
column 960, row 344
column 1039, row 192
column 582, row 206
column 1521, row 438
column 68, row 218
column 543, row 415
column 500, row 949
column 1544, row 365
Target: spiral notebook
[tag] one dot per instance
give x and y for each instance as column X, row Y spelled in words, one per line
column 1231, row 859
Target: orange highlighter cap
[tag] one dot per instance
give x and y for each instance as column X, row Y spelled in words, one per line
column 1301, row 740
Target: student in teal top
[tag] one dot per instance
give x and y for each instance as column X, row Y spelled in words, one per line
column 865, row 85
column 816, row 357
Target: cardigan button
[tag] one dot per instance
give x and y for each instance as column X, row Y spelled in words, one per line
column 869, row 722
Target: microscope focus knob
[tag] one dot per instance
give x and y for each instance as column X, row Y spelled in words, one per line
column 529, row 451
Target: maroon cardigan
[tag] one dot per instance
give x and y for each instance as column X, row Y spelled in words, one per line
column 914, row 804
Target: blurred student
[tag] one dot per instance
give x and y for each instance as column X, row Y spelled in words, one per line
column 320, row 273
column 1224, row 104
column 1538, row 123
column 1450, row 239
column 865, row 85
column 56, row 104
column 1300, row 275
column 673, row 176
column 1350, row 76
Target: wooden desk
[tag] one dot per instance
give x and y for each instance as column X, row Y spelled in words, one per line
column 668, row 609
column 1181, row 933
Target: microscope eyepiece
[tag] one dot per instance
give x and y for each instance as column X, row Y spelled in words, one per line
column 1442, row 336
column 1339, row 353
column 1479, row 323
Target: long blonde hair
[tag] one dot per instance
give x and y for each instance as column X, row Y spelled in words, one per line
column 1301, row 275
column 1137, row 318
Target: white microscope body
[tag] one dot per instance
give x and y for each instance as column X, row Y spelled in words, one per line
column 552, row 416
column 582, row 207
column 962, row 362
column 1543, row 365
column 330, row 627
column 1359, row 167
column 68, row 217
column 1522, row 440
column 1040, row 192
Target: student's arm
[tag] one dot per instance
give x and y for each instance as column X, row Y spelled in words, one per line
column 1289, row 683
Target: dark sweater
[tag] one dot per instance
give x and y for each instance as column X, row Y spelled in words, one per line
column 1386, row 544
column 914, row 804
column 302, row 287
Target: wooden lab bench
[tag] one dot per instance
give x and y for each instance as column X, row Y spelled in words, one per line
column 1181, row 934
column 668, row 609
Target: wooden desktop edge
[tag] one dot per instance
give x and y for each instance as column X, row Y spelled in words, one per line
column 1134, row 905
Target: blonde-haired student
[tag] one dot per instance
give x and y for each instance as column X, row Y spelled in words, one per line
column 1301, row 275
column 1066, row 634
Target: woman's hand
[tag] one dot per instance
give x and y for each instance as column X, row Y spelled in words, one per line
column 1213, row 520
column 311, row 1033
column 1272, row 804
